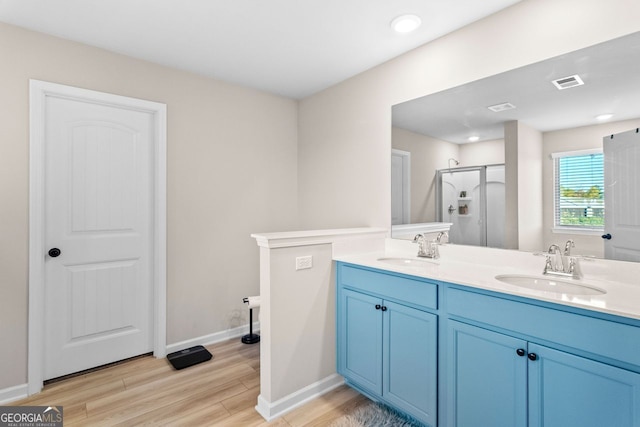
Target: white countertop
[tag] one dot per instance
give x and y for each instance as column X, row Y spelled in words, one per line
column 477, row 267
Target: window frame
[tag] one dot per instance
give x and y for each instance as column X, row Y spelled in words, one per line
column 570, row 229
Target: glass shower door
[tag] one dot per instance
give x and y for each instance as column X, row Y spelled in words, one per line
column 462, row 203
column 495, row 219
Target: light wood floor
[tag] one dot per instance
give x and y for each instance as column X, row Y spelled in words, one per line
column 221, row 392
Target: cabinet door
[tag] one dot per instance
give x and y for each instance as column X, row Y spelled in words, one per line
column 410, row 360
column 360, row 340
column 487, row 378
column 567, row 391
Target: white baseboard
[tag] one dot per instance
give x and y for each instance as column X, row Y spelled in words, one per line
column 11, row 394
column 213, row 338
column 271, row 411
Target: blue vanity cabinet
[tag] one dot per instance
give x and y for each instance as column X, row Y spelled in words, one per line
column 409, row 360
column 495, row 378
column 487, row 377
column 387, row 345
column 497, row 360
column 502, row 381
column 361, row 340
column 570, row 391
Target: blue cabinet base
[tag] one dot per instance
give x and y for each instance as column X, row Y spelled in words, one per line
column 387, row 347
column 497, row 360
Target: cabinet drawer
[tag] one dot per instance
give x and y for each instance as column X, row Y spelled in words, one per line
column 603, row 337
column 389, row 286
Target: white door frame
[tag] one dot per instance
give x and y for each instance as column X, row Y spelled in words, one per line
column 38, row 92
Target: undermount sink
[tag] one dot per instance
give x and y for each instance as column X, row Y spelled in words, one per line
column 407, row 262
column 558, row 286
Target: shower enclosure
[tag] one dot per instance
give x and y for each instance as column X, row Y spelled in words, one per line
column 473, row 200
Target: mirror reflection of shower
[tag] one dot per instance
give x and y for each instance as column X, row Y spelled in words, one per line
column 473, row 200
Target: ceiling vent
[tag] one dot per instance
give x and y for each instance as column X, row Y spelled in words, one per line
column 502, row 107
column 567, row 82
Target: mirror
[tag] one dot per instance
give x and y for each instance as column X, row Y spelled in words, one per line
column 433, row 133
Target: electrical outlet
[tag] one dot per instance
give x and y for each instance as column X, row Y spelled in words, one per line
column 303, row 262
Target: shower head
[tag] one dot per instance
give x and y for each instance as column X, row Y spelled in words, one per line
column 454, row 161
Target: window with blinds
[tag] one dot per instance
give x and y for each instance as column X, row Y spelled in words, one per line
column 579, row 190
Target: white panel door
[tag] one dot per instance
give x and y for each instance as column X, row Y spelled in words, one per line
column 622, row 196
column 98, row 213
column 400, row 187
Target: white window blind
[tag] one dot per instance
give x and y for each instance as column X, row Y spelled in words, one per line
column 579, row 190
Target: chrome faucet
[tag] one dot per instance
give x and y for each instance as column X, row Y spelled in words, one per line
column 426, row 249
column 564, row 264
column 567, row 247
column 440, row 236
column 558, row 265
column 420, row 240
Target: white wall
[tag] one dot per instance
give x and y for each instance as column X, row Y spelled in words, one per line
column 298, row 334
column 511, row 235
column 302, row 305
column 482, row 153
column 529, row 189
column 581, row 138
column 232, row 158
column 301, row 329
column 427, row 156
column 347, row 128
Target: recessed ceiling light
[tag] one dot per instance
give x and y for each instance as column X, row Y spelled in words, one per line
column 603, row 117
column 406, row 23
column 474, row 139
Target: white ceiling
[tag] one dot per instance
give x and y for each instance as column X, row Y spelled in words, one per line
column 610, row 70
column 288, row 47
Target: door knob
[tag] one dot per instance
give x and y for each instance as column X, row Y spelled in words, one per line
column 378, row 306
column 606, row 236
column 532, row 356
column 520, row 352
column 54, row 252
